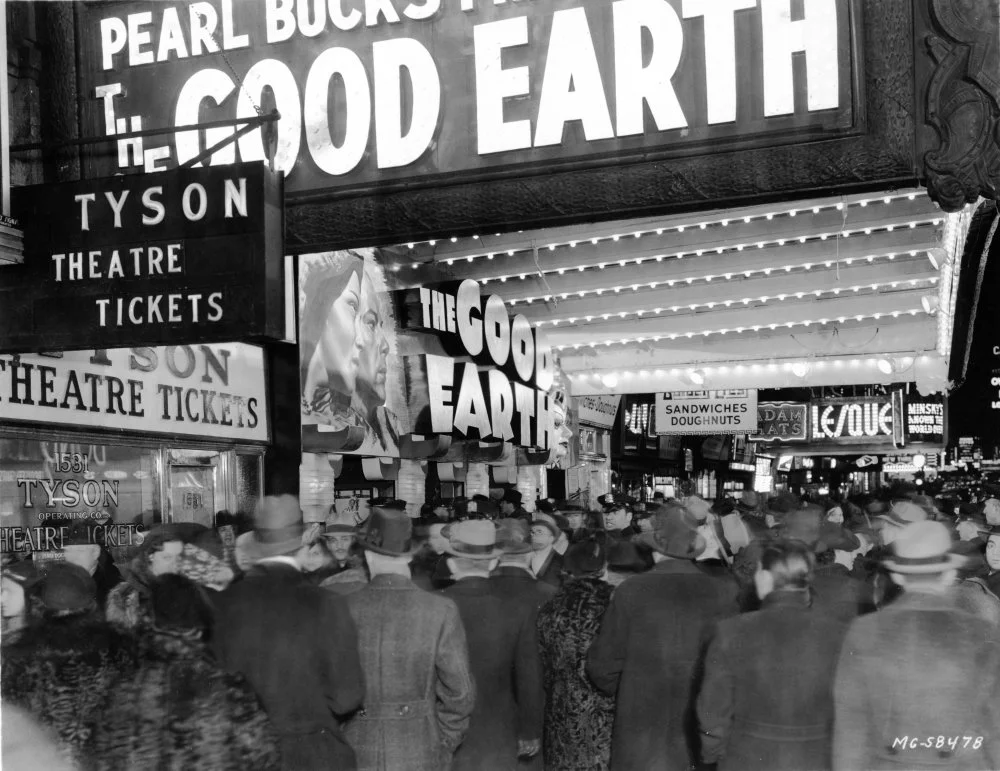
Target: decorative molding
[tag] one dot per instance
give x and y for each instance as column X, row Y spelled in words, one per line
column 962, row 101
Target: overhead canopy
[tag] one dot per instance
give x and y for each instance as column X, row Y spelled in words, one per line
column 826, row 291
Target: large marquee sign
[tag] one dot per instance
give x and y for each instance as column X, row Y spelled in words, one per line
column 388, row 91
column 145, row 259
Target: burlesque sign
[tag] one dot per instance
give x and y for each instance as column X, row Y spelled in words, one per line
column 388, row 91
column 854, row 420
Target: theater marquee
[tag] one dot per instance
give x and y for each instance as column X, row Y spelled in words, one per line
column 390, row 91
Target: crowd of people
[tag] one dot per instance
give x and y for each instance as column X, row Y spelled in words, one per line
column 746, row 633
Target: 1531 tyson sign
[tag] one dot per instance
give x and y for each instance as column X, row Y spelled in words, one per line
column 388, row 91
column 192, row 254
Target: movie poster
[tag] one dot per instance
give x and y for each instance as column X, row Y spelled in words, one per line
column 350, row 368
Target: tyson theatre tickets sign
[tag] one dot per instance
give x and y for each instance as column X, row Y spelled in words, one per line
column 393, row 91
column 378, row 365
column 143, row 259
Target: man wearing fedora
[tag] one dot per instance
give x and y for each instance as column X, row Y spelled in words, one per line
column 650, row 646
column 764, row 704
column 513, row 579
column 295, row 643
column 503, row 649
column 918, row 683
column 510, row 505
column 413, row 650
column 836, row 592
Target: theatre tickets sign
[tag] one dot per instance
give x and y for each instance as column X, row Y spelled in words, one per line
column 198, row 391
column 388, row 91
column 145, row 259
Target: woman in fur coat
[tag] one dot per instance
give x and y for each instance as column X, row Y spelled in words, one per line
column 167, row 548
column 62, row 666
column 181, row 710
column 578, row 717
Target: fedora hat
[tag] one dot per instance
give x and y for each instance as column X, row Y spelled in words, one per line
column 548, row 523
column 904, row 513
column 474, row 539
column 586, row 558
column 836, row 537
column 698, row 507
column 991, row 510
column 674, row 534
column 748, row 501
column 512, row 496
column 387, row 531
column 67, row 588
column 512, row 536
column 277, row 527
column 923, row 548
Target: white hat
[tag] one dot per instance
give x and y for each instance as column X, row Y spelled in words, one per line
column 923, row 548
column 474, row 539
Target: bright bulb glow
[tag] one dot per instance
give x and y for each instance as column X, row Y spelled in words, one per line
column 696, row 376
column 884, row 366
column 610, row 380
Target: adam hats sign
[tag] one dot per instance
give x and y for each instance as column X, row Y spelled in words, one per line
column 707, row 412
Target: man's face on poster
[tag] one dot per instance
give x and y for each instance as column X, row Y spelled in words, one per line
column 562, row 433
column 339, row 345
column 373, row 342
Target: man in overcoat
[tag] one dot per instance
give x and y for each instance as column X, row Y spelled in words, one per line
column 837, row 594
column 766, row 702
column 420, row 691
column 918, row 683
column 295, row 643
column 650, row 647
column 503, row 650
column 513, row 579
column 545, row 563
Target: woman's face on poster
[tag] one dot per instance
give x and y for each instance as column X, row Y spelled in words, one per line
column 372, row 341
column 339, row 344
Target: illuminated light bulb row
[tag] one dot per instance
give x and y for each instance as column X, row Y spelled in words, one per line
column 770, row 366
column 683, row 228
column 684, row 307
column 670, row 283
column 738, row 330
column 911, row 224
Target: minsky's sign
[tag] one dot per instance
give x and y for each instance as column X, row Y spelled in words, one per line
column 189, row 254
column 393, row 90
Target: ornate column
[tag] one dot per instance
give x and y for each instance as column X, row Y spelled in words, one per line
column 477, row 480
column 530, row 484
column 316, row 486
column 410, row 485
